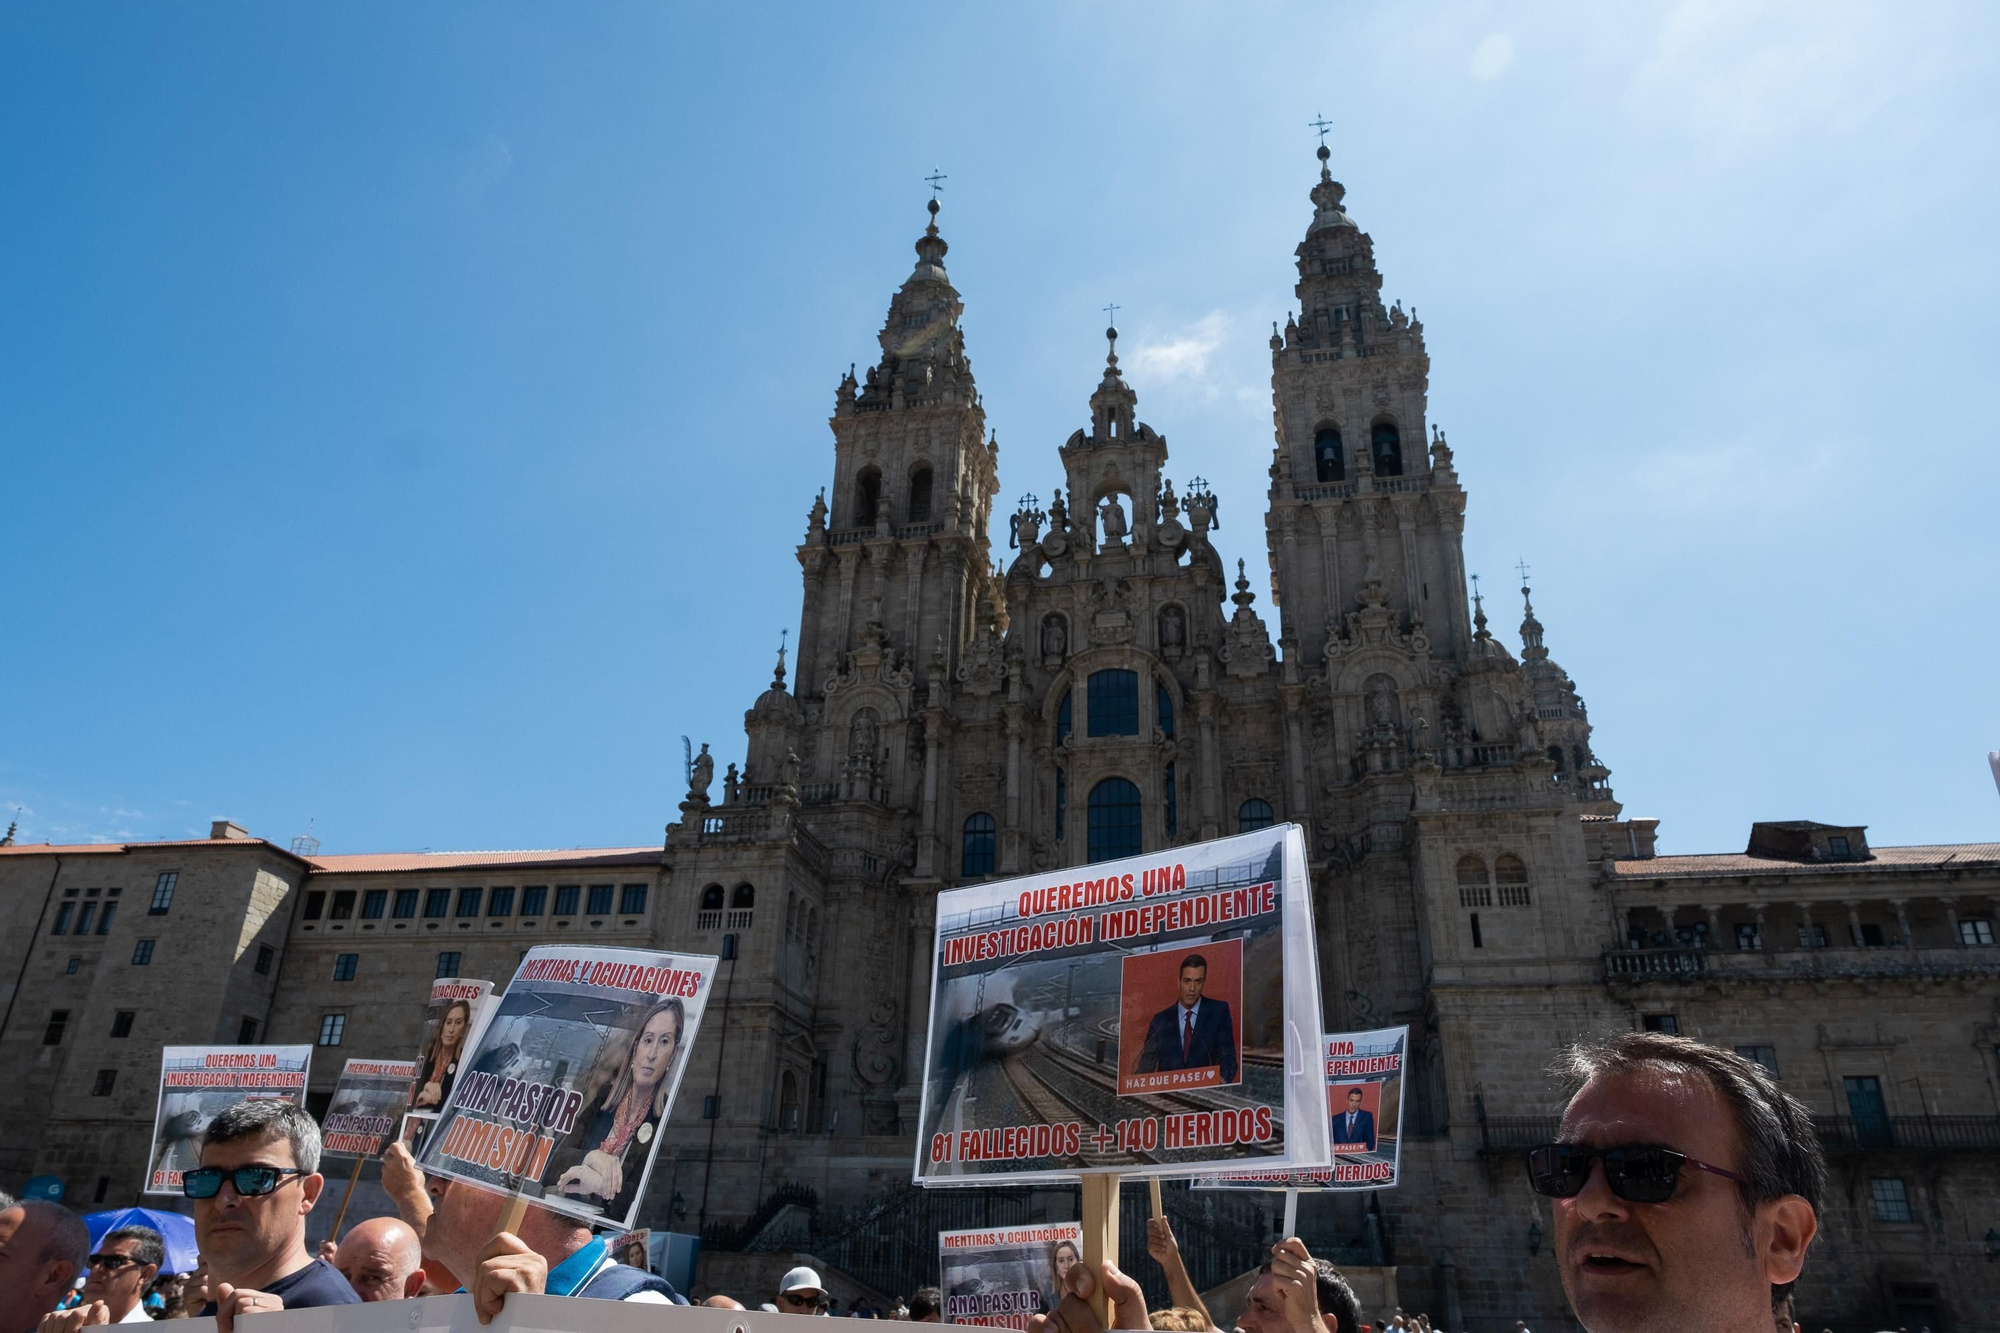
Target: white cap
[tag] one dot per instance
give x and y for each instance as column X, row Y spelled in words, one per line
column 800, row 1278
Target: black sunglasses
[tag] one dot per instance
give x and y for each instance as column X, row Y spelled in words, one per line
column 111, row 1263
column 1636, row 1173
column 205, row 1182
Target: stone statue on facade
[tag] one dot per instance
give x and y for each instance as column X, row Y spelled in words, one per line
column 1173, row 630
column 701, row 774
column 1055, row 637
column 1112, row 516
column 731, row 785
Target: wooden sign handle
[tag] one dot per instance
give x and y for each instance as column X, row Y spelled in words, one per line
column 517, row 1208
column 345, row 1199
column 1100, row 1236
column 1153, row 1187
column 1291, row 1215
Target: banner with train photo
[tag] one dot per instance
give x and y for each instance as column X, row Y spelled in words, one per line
column 197, row 1083
column 1364, row 1108
column 1001, row 1277
column 1155, row 1016
column 563, row 1095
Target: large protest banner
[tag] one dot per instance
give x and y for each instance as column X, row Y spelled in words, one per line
column 1004, row 1276
column 564, row 1093
column 1151, row 1016
column 1364, row 1107
column 522, row 1313
column 198, row 1082
column 367, row 1106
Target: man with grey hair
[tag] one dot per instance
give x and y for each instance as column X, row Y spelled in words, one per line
column 258, row 1178
column 114, row 1290
column 1686, row 1185
column 42, row 1248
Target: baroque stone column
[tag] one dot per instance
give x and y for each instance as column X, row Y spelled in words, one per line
column 1714, row 911
column 1902, row 907
column 1853, row 921
column 1806, row 926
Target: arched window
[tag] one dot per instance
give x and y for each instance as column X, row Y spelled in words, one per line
column 976, row 848
column 1387, row 446
column 745, row 896
column 1163, row 708
column 1114, row 703
column 1510, row 873
column 1327, row 459
column 867, row 497
column 920, row 496
column 1556, row 755
column 1063, row 722
column 1173, row 804
column 709, row 915
column 1114, row 820
column 1472, row 887
column 1254, row 813
column 788, row 1103
column 742, row 900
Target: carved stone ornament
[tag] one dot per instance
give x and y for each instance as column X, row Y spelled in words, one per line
column 1246, row 644
column 875, row 1046
column 982, row 667
column 1111, row 611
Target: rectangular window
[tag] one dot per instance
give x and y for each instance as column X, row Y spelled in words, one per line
column 1812, row 939
column 468, row 902
column 534, row 899
column 315, row 906
column 1836, row 844
column 121, row 1022
column 246, row 1031
column 1113, row 698
column 1977, row 931
column 1173, row 811
column 163, row 893
column 85, row 917
column 344, row 966
column 1749, row 936
column 500, row 902
column 437, row 903
column 632, row 899
column 1867, row 935
column 63, row 915
column 265, row 955
column 52, row 1035
column 374, row 904
column 1477, row 942
column 75, row 965
column 566, row 896
column 600, row 900
column 1766, row 1056
column 104, row 922
column 343, row 906
column 447, row 965
column 101, row 1086
column 1666, row 1023
column 1891, row 1196
column 332, row 1027
column 142, row 953
column 406, row 904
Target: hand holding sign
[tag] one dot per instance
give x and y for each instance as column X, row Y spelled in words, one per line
column 1075, row 1314
column 69, row 1321
column 506, row 1265
column 1298, row 1282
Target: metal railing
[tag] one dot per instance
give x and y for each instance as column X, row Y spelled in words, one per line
column 1654, row 963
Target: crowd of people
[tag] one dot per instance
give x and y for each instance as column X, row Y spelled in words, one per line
column 1685, row 1186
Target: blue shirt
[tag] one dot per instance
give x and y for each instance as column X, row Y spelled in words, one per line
column 576, row 1270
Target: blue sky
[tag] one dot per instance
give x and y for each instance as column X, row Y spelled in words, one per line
column 408, row 413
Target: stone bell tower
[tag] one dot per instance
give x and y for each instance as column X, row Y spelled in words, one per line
column 1362, row 513
column 895, row 558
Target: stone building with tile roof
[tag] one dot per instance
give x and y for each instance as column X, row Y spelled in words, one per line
column 1112, row 687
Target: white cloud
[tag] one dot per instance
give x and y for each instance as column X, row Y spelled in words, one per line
column 1182, row 358
column 1491, row 58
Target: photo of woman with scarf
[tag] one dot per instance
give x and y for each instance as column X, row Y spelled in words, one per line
column 604, row 1157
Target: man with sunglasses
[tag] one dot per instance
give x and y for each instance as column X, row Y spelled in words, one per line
column 801, row 1292
column 258, row 1178
column 114, row 1286
column 1686, row 1187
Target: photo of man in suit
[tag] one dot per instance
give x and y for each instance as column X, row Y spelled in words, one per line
column 1354, row 1125
column 1193, row 1032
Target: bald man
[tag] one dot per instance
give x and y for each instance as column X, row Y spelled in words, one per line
column 724, row 1303
column 43, row 1246
column 382, row 1259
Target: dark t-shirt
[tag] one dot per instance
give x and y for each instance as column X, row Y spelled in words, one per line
column 318, row 1283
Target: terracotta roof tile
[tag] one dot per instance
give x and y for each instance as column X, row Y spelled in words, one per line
column 390, row 862
column 119, row 848
column 1958, row 854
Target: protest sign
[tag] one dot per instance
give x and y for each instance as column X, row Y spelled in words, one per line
column 454, row 1015
column 631, row 1247
column 198, row 1082
column 564, row 1093
column 523, row 1313
column 1364, row 1106
column 367, row 1104
column 1004, row 1276
column 1150, row 1016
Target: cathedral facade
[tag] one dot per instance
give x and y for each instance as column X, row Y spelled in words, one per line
column 1104, row 686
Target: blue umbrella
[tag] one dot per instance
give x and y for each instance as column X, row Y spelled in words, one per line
column 176, row 1228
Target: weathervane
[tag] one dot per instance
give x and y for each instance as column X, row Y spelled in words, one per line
column 1322, row 125
column 1523, row 567
column 936, row 181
